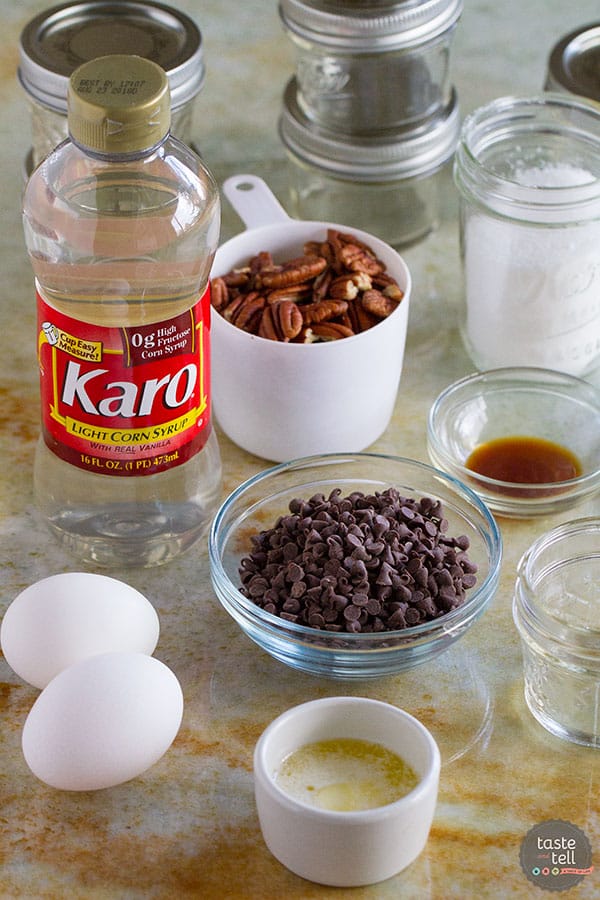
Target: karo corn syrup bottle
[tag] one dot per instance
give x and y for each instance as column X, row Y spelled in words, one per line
column 121, row 225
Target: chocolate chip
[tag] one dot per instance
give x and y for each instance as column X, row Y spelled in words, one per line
column 373, row 606
column 294, row 572
column 358, row 563
column 351, row 612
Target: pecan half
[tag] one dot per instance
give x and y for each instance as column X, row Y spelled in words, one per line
column 293, row 272
column 343, row 287
column 244, row 311
column 394, row 292
column 232, row 307
column 261, row 261
column 248, row 312
column 219, row 294
column 321, row 284
column 326, row 331
column 360, row 318
column 280, row 321
column 356, row 259
column 239, row 278
column 319, row 248
column 323, row 311
column 267, row 327
column 378, row 303
column 289, row 319
column 296, row 292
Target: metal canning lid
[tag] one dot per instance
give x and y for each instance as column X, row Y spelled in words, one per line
column 57, row 41
column 408, row 152
column 118, row 104
column 574, row 63
column 377, row 25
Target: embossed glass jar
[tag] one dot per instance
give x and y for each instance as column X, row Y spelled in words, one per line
column 362, row 68
column 389, row 184
column 556, row 609
column 528, row 174
column 55, row 42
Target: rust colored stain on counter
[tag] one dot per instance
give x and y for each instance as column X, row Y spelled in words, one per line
column 18, row 698
column 18, row 419
column 234, row 863
column 242, row 735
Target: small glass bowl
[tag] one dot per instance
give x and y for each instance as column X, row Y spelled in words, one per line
column 523, row 401
column 256, row 505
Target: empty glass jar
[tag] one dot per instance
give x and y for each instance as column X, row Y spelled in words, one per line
column 556, row 609
column 388, row 184
column 56, row 41
column 371, row 67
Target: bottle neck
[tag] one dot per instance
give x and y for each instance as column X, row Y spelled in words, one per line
column 119, row 157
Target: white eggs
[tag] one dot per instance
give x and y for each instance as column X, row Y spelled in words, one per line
column 102, row 721
column 108, row 709
column 66, row 618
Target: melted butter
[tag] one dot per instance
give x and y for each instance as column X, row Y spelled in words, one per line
column 524, row 460
column 346, row 775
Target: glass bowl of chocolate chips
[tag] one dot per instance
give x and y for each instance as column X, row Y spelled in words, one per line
column 354, row 565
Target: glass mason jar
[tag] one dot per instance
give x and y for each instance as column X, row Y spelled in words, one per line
column 387, row 184
column 528, row 174
column 574, row 63
column 55, row 42
column 360, row 71
column 556, row 609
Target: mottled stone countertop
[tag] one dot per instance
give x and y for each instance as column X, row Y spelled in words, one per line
column 188, row 827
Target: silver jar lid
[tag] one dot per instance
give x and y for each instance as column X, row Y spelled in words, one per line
column 373, row 25
column 574, row 63
column 57, row 41
column 407, row 152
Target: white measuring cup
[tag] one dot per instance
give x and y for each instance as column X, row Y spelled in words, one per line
column 282, row 400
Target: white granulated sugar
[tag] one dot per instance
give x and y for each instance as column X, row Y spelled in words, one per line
column 533, row 291
column 553, row 175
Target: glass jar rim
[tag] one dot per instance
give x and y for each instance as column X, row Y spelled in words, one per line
column 408, row 152
column 46, row 59
column 548, row 116
column 577, row 639
column 565, row 74
column 388, row 26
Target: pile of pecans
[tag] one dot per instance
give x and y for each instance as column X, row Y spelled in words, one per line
column 359, row 563
column 336, row 289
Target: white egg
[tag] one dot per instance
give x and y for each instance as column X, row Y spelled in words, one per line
column 65, row 618
column 103, row 721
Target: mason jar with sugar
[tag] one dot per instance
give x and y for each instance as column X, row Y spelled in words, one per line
column 528, row 175
column 56, row 41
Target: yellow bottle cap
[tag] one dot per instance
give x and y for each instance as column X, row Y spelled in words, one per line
column 118, row 104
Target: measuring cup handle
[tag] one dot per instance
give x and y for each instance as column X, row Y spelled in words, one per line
column 253, row 201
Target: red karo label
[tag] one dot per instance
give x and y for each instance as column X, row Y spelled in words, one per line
column 125, row 401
